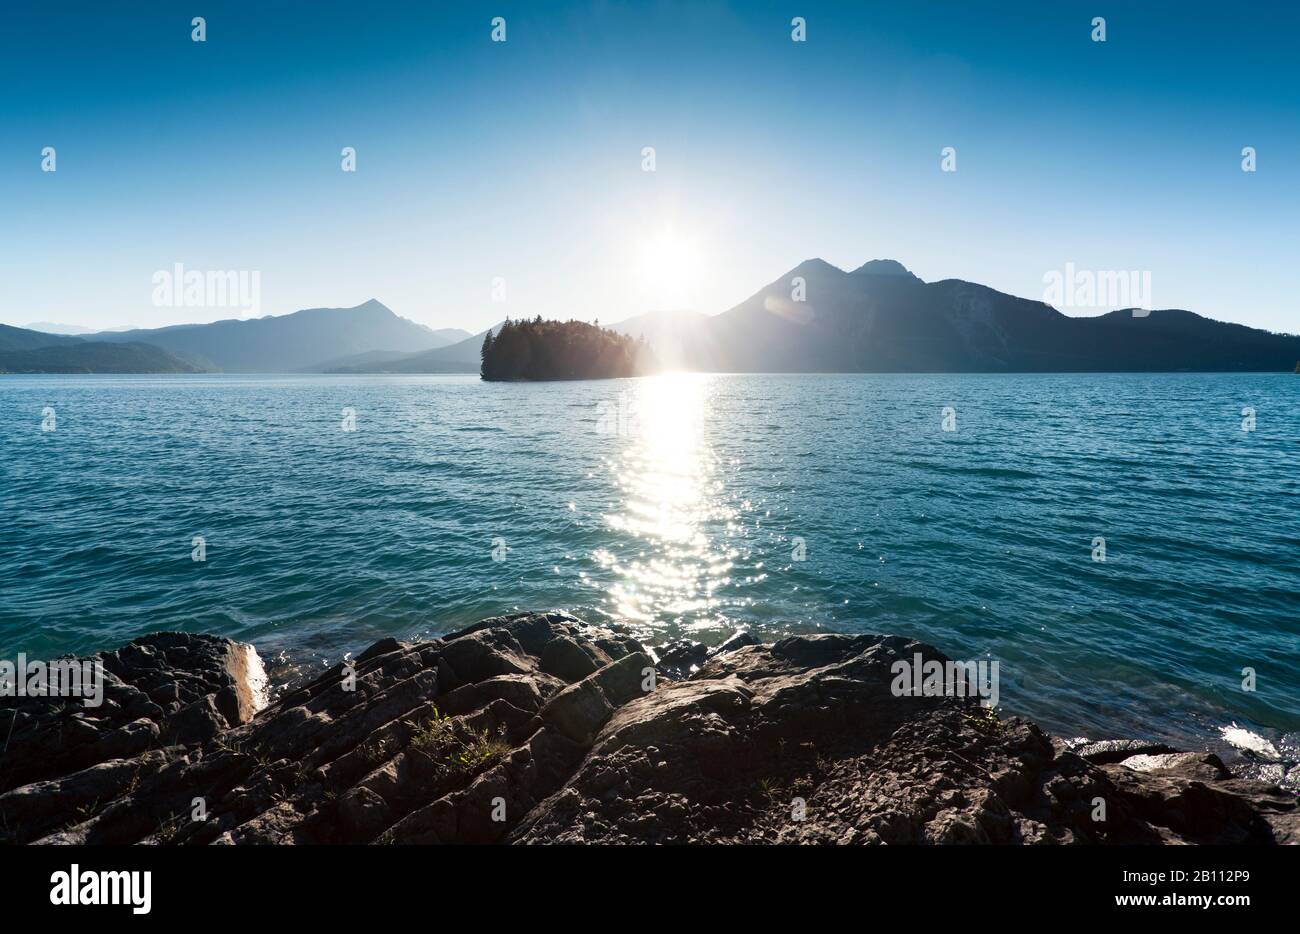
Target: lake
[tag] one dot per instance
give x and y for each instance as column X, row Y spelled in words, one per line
column 963, row 510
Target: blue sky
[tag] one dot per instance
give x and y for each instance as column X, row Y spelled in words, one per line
column 523, row 160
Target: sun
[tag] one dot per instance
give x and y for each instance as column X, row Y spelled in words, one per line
column 669, row 267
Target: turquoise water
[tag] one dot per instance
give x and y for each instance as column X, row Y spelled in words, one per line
column 680, row 504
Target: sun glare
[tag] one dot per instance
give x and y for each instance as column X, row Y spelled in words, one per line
column 669, row 267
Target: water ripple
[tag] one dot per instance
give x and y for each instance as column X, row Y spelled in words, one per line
column 687, row 504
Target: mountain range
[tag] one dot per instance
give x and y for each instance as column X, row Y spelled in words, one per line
column 303, row 341
column 814, row 318
column 313, row 340
column 26, row 351
column 881, row 318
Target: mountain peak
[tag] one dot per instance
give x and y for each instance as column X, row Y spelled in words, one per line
column 884, row 267
column 815, row 266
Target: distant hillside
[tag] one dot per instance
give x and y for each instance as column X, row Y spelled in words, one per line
column 358, row 362
column 49, row 327
column 461, row 357
column 448, row 336
column 374, row 361
column 94, row 357
column 300, row 341
column 12, row 338
column 881, row 318
column 553, row 350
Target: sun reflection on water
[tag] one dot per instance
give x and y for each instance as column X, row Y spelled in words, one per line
column 673, row 557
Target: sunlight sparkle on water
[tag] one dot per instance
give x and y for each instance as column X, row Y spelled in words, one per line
column 672, row 512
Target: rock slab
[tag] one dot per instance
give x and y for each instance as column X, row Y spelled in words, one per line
column 541, row 728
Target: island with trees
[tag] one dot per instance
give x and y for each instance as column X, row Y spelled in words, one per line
column 554, row 350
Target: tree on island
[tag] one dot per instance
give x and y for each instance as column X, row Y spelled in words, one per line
column 546, row 350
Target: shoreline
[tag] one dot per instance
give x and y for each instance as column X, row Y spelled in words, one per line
column 1255, row 751
column 540, row 727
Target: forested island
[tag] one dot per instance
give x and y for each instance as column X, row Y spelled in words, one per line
column 549, row 350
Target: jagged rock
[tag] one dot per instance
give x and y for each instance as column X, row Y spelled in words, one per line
column 1108, row 751
column 677, row 660
column 1190, row 798
column 626, row 678
column 1204, row 766
column 541, row 728
column 578, row 711
column 58, row 736
column 737, row 640
column 565, row 658
column 364, row 813
column 196, row 722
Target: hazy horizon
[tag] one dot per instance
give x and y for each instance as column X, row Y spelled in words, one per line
column 226, row 315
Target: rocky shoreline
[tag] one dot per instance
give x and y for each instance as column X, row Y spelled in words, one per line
column 541, row 728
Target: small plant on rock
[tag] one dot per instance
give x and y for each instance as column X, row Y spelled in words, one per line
column 984, row 719
column 435, row 734
column 168, row 829
column 481, row 750
column 457, row 753
column 767, row 788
